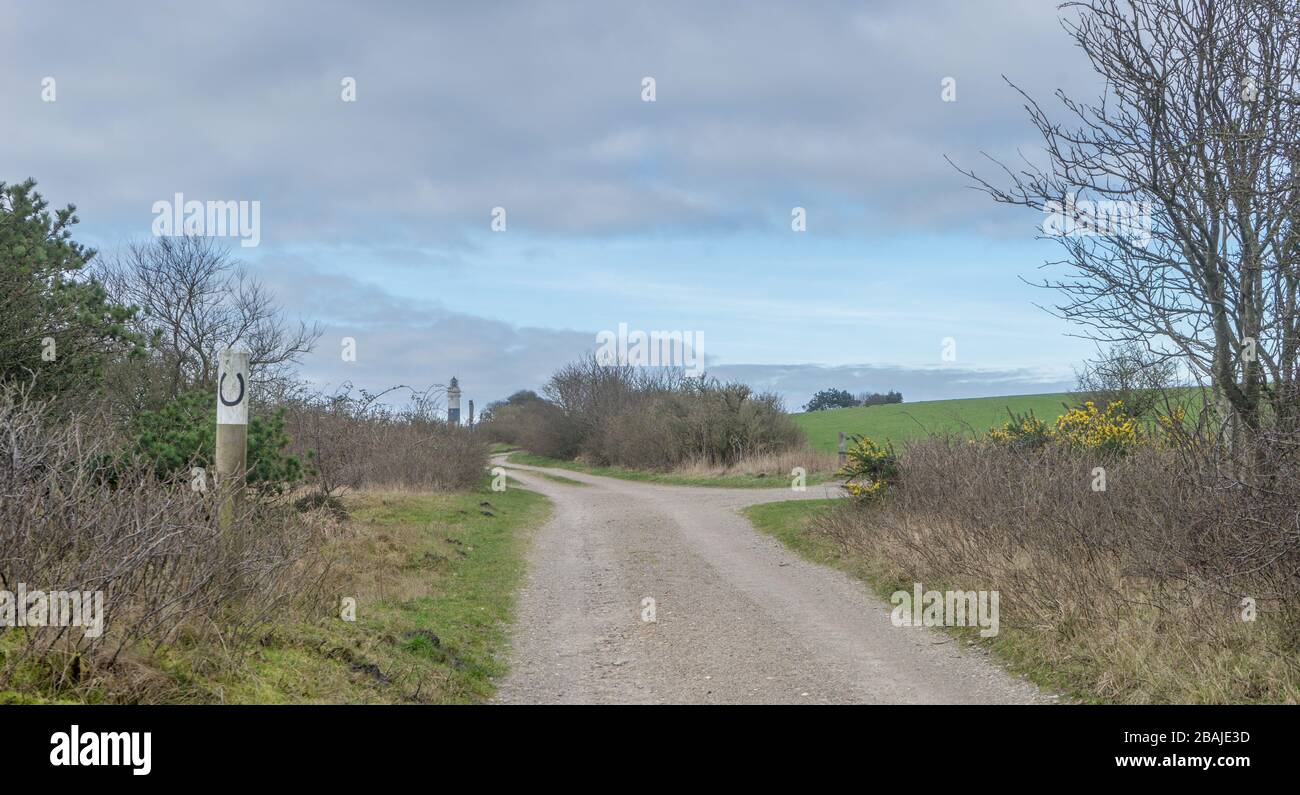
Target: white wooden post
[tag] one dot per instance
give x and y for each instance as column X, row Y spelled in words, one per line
column 232, row 431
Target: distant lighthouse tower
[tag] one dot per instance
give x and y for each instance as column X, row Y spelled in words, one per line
column 453, row 402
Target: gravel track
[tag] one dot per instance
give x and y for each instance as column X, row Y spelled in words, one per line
column 740, row 618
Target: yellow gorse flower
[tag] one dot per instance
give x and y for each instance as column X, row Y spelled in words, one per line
column 1090, row 428
column 869, row 468
column 1086, row 427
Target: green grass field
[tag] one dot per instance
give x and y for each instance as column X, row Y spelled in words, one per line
column 902, row 421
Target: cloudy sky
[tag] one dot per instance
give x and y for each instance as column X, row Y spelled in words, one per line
column 666, row 215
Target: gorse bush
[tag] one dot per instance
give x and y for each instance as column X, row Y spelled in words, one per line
column 869, row 468
column 1023, row 431
column 1090, row 428
column 1112, row 430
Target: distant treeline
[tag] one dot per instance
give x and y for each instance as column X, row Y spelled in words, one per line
column 841, row 399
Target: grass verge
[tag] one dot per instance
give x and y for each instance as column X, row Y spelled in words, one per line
column 668, row 478
column 788, row 522
column 433, row 576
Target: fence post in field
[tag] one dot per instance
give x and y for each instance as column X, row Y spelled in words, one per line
column 232, row 431
column 843, row 452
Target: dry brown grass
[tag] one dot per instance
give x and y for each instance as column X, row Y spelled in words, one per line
column 778, row 463
column 377, row 559
column 169, row 575
column 1129, row 595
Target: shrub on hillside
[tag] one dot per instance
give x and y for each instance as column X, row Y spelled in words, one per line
column 1090, row 428
column 534, row 424
column 1112, row 430
column 1024, row 431
column 869, row 468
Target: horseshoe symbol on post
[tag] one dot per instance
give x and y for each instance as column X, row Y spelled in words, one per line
column 221, row 390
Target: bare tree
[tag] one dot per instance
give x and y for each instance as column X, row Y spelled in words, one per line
column 1175, row 193
column 194, row 300
column 1141, row 381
